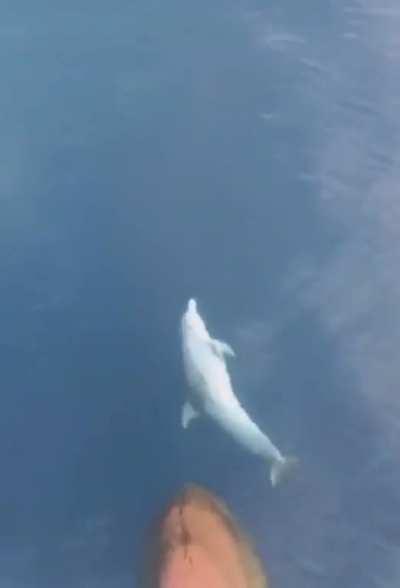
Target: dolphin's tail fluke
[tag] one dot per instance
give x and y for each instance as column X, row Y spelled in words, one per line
column 281, row 469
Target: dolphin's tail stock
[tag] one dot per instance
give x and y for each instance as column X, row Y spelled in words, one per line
column 281, row 469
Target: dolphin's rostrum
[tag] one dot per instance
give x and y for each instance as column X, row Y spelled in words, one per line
column 211, row 393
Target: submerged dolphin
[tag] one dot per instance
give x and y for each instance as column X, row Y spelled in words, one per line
column 211, row 393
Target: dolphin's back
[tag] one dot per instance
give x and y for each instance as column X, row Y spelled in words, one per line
column 206, row 371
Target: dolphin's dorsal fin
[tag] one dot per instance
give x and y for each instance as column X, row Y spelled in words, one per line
column 221, row 348
column 188, row 414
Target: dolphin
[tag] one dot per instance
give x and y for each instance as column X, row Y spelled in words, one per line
column 211, row 393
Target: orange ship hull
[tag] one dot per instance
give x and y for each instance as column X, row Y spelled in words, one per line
column 197, row 544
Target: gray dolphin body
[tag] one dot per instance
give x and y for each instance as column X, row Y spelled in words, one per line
column 211, row 393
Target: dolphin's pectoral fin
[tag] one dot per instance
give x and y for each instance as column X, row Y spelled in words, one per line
column 188, row 414
column 226, row 349
column 221, row 348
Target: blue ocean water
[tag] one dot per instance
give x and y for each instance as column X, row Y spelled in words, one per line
column 245, row 153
